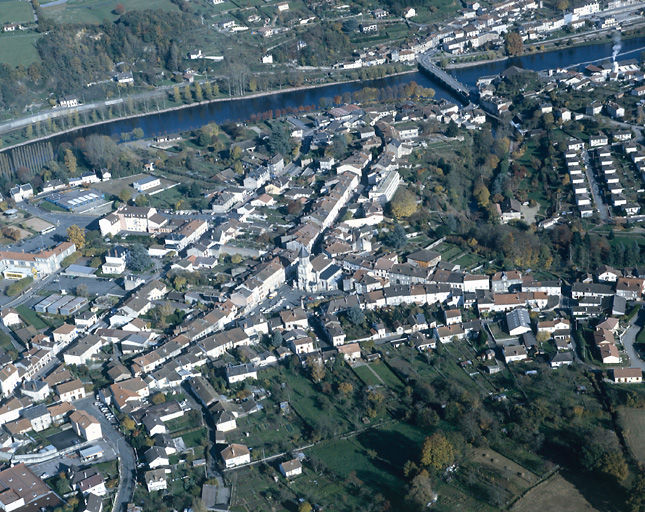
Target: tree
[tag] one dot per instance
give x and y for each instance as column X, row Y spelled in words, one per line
column 346, row 388
column 562, row 5
column 125, row 195
column 158, row 398
column 279, row 140
column 316, row 368
column 356, row 316
column 139, row 260
column 452, row 129
column 404, row 203
column 119, row 10
column 420, row 493
column 70, row 161
column 179, row 283
column 128, row 424
column 437, row 452
column 396, row 238
column 101, row 151
column 305, row 506
column 76, row 235
column 513, row 44
column 482, row 194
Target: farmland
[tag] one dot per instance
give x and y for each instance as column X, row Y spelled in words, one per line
column 553, row 494
column 97, row 11
column 15, row 11
column 19, row 48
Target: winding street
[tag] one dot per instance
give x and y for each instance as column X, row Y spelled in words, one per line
column 629, row 337
column 125, row 454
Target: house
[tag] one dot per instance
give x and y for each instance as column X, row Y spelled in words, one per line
column 226, row 422
column 514, row 353
column 115, row 261
column 294, row 318
column 424, row 258
column 562, row 359
column 9, row 379
column 609, row 354
column 518, row 321
column 85, row 425
column 147, row 183
column 93, row 503
column 350, row 352
column 156, row 480
column 628, row 375
column 38, row 416
column 37, row 390
column 409, row 12
column 70, row 391
column 240, row 372
column 608, row 274
column 88, row 481
column 10, row 317
column 235, row 455
column 23, row 490
column 156, row 457
column 65, row 334
column 452, row 316
column 291, row 468
column 302, row 344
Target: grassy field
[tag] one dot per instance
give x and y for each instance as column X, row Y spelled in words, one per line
column 367, row 376
column 18, row 49
column 554, row 494
column 633, row 423
column 15, row 11
column 31, row 317
column 96, row 11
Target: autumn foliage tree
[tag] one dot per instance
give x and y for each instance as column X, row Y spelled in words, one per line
column 403, row 204
column 76, row 235
column 437, row 453
column 514, row 44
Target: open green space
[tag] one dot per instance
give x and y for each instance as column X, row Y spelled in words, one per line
column 18, row 48
column 15, row 11
column 31, row 317
column 366, row 375
column 97, row 11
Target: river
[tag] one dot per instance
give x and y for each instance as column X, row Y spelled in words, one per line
column 242, row 109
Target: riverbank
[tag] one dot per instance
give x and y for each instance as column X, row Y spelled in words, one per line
column 185, row 106
column 573, row 41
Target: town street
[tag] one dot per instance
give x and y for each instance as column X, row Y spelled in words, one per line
column 629, row 337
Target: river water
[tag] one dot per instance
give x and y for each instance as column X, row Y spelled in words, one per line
column 236, row 110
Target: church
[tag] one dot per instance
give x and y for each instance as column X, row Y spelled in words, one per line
column 319, row 274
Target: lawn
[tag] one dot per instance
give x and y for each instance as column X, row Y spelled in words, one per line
column 366, row 375
column 15, row 11
column 391, row 380
column 31, row 317
column 554, row 494
column 375, row 457
column 96, row 11
column 633, row 423
column 195, row 438
column 18, row 49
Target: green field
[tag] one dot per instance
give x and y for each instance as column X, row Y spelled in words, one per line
column 18, row 48
column 96, row 11
column 15, row 11
column 366, row 375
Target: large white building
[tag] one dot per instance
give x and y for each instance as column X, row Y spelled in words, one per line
column 132, row 218
column 17, row 265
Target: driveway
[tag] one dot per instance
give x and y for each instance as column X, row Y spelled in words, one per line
column 629, row 337
column 127, row 461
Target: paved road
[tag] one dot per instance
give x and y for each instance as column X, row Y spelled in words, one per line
column 628, row 338
column 127, row 461
column 595, row 190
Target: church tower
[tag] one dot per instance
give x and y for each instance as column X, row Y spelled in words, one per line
column 305, row 271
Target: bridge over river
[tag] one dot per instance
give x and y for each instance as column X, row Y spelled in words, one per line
column 446, row 79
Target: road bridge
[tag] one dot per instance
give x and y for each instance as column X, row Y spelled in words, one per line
column 449, row 81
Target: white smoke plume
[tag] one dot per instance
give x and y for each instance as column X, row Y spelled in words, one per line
column 615, row 49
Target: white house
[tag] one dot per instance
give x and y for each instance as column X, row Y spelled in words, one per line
column 10, row 317
column 291, row 468
column 85, row 425
column 514, row 353
column 235, row 455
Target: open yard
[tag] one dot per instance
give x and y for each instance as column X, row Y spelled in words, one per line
column 95, row 11
column 15, row 11
column 554, row 494
column 633, row 423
